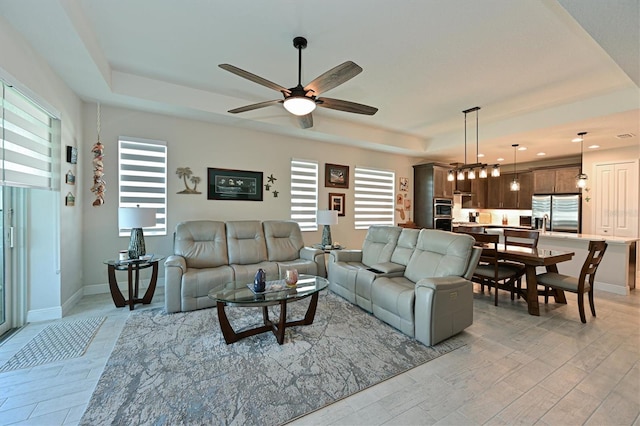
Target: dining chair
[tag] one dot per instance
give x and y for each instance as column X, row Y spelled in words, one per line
column 490, row 271
column 467, row 229
column 581, row 285
column 520, row 238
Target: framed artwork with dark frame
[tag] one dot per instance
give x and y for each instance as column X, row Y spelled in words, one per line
column 239, row 185
column 336, row 202
column 336, row 176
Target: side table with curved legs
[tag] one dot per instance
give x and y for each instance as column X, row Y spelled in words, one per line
column 133, row 268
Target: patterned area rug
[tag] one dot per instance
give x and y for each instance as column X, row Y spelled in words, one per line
column 177, row 370
column 63, row 340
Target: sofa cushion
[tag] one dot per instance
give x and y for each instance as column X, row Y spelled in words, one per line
column 406, row 244
column 202, row 243
column 196, row 284
column 439, row 254
column 393, row 302
column 379, row 244
column 284, row 240
column 245, row 240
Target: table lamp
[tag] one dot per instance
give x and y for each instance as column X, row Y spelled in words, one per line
column 136, row 218
column 326, row 218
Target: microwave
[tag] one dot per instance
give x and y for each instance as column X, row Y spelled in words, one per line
column 443, row 207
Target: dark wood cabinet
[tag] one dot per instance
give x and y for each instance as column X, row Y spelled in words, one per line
column 478, row 191
column 429, row 182
column 555, row 180
column 500, row 196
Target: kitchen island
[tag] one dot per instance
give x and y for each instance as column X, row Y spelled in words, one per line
column 618, row 271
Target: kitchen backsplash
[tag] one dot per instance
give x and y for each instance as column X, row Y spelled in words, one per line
column 492, row 216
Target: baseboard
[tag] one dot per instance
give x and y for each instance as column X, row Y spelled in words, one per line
column 104, row 288
column 72, row 301
column 612, row 288
column 47, row 314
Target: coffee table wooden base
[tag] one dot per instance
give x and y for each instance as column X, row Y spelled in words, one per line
column 230, row 336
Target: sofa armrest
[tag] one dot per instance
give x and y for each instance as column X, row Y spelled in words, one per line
column 317, row 255
column 387, row 268
column 345, row 256
column 443, row 308
column 174, row 268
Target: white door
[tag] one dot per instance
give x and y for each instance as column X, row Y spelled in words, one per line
column 616, row 199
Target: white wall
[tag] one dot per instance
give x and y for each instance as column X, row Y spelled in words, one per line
column 55, row 269
column 200, row 145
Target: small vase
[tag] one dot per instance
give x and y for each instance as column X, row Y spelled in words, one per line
column 259, row 281
column 291, row 277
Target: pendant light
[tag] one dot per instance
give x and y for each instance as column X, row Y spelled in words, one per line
column 515, row 185
column 581, row 179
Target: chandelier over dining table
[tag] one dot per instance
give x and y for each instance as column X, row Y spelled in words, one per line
column 471, row 170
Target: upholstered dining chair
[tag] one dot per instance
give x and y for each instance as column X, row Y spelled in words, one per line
column 490, row 271
column 582, row 284
column 520, row 238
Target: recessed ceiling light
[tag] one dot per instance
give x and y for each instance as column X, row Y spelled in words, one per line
column 541, row 154
column 500, row 159
column 625, row 136
column 576, row 140
column 480, row 155
column 594, row 146
column 522, row 148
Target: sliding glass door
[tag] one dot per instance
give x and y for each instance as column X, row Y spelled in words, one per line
column 5, row 263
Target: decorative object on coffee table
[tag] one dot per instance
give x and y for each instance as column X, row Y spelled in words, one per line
column 259, row 281
column 135, row 219
column 291, row 277
column 327, row 218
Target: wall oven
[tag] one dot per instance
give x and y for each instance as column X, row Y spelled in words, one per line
column 442, row 213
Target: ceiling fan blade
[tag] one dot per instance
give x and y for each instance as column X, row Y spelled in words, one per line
column 334, row 77
column 305, row 121
column 255, row 106
column 346, row 106
column 252, row 77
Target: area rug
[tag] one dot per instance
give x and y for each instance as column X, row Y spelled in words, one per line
column 177, row 370
column 62, row 340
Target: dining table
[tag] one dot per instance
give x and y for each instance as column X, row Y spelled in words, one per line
column 532, row 258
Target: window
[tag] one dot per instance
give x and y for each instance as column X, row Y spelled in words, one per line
column 374, row 197
column 304, row 193
column 142, row 179
column 28, row 136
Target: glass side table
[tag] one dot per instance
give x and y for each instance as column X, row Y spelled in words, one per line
column 133, row 268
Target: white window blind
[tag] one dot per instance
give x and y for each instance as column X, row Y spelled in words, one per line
column 28, row 135
column 142, row 179
column 304, row 193
column 374, row 197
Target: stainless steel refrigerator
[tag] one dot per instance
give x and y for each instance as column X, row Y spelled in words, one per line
column 564, row 211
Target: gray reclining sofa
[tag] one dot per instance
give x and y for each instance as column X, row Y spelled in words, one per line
column 210, row 254
column 414, row 280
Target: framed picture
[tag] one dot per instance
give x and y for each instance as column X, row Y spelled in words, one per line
column 336, row 176
column 70, row 178
column 403, row 184
column 400, row 200
column 336, row 202
column 72, row 154
column 227, row 184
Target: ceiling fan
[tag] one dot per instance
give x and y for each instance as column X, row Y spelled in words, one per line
column 301, row 101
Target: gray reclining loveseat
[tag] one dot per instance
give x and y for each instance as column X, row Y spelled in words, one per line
column 210, row 254
column 414, row 280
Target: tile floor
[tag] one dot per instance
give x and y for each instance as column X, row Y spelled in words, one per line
column 515, row 369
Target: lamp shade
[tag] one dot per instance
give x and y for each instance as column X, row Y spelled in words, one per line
column 299, row 105
column 327, row 217
column 136, row 217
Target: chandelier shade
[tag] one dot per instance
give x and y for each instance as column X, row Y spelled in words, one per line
column 581, row 178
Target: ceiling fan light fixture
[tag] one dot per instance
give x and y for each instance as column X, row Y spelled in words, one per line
column 299, row 105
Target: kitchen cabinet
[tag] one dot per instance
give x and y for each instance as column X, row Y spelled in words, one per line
column 478, row 190
column 500, row 196
column 559, row 180
column 429, row 182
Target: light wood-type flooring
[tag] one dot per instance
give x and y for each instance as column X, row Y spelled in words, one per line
column 515, row 369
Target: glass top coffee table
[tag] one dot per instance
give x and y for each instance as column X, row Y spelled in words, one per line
column 277, row 293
